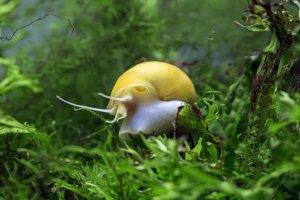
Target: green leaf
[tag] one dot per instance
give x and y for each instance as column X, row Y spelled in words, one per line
column 274, row 128
column 189, row 121
column 194, row 154
column 258, row 27
column 14, row 79
column 7, row 7
column 10, row 125
column 213, row 153
column 297, row 3
column 273, row 45
column 213, row 109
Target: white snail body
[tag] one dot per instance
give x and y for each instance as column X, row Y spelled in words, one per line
column 151, row 119
column 147, row 97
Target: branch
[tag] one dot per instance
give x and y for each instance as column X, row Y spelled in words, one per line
column 8, row 38
column 264, row 83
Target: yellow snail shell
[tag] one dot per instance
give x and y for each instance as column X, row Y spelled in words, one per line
column 147, row 97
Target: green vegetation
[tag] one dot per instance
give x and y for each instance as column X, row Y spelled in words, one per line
column 243, row 57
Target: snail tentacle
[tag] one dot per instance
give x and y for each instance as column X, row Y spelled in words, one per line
column 120, row 113
column 126, row 98
column 110, row 111
column 116, row 119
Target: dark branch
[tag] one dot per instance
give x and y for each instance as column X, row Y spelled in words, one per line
column 8, row 38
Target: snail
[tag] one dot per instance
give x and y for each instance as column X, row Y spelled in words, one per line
column 147, row 98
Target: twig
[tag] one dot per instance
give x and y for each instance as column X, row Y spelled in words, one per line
column 8, row 38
